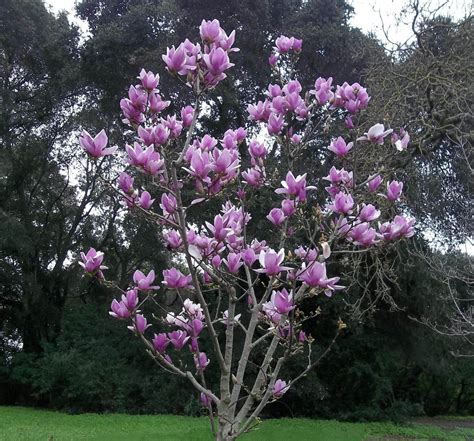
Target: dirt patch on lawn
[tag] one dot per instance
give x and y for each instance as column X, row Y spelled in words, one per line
column 399, row 438
column 446, row 423
column 443, row 423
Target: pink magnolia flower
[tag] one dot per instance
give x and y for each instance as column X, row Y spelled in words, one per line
column 178, row 339
column 288, row 207
column 216, row 261
column 274, row 90
column 275, row 124
column 376, row 134
column 257, row 149
column 253, row 177
column 174, row 278
column 240, row 134
column 217, row 61
column 226, row 162
column 205, row 400
column 294, row 186
column 219, row 229
column 339, row 146
column 343, row 203
column 196, row 327
column 137, row 98
column 401, row 226
column 160, row 342
column 130, row 299
column 119, row 310
column 160, row 134
column 279, row 388
column 368, row 213
column 362, row 234
column 125, row 182
column 92, row 261
column 140, row 324
column 306, row 254
column 169, row 204
column 293, row 86
column 349, row 123
column 293, row 101
column 322, row 90
column 279, row 106
column 271, row 261
column 174, row 127
column 314, row 275
column 200, row 165
column 96, row 147
column 336, row 176
column 192, row 49
column 269, row 311
column 210, row 31
column 353, row 97
column 374, row 183
column 342, row 226
column 283, row 301
column 147, row 159
column 302, row 337
column 145, row 200
column 233, row 262
column 144, row 283
column 401, row 140
column 187, row 115
column 297, row 45
column 394, row 190
column 295, row 139
column 207, row 143
column 193, row 309
column 272, row 59
column 285, row 44
column 132, row 114
column 156, row 104
column 227, row 41
column 177, row 61
column 173, row 239
column 276, row 216
column 249, row 257
column 260, row 111
column 149, row 79
column 201, row 361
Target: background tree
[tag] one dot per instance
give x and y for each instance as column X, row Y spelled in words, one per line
column 47, row 210
column 428, row 84
column 39, row 211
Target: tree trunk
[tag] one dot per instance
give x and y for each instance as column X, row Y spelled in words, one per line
column 226, row 424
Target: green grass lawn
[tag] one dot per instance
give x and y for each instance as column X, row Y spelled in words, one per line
column 23, row 424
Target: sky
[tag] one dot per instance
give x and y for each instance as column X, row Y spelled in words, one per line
column 370, row 15
column 379, row 15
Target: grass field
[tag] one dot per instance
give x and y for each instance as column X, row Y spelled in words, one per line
column 23, row 424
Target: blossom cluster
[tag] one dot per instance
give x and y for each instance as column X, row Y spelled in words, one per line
column 219, row 255
column 203, row 66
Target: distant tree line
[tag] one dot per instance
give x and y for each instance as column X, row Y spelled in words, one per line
column 58, row 347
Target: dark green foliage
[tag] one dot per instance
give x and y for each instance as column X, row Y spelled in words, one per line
column 389, row 366
column 386, row 368
column 97, row 365
column 142, row 29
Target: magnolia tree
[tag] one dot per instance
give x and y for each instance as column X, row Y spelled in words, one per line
column 226, row 281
